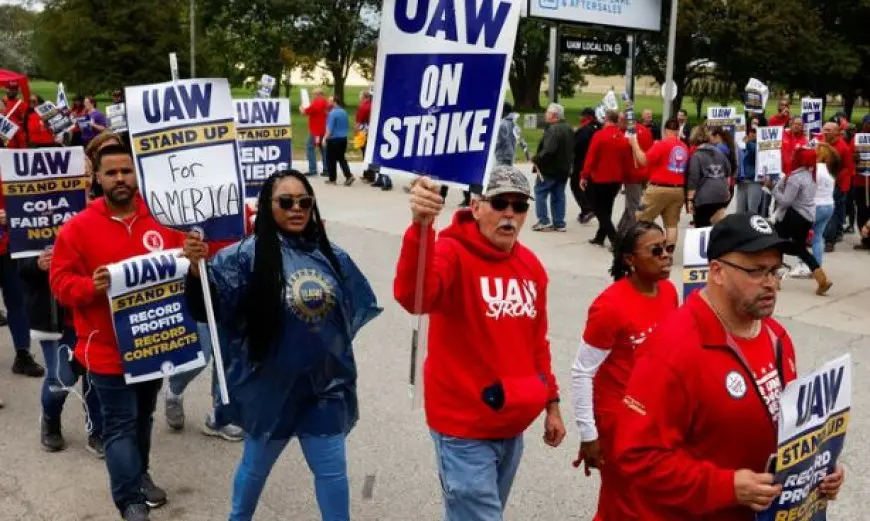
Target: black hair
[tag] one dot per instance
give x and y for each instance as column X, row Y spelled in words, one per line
column 266, row 293
column 626, row 244
column 728, row 139
column 110, row 150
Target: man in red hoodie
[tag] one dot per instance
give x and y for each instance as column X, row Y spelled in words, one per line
column 702, row 403
column 792, row 138
column 487, row 375
column 316, row 112
column 833, row 134
column 79, row 280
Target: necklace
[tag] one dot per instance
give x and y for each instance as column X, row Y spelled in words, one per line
column 756, row 324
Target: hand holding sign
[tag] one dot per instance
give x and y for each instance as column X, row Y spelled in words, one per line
column 195, row 250
column 426, row 203
column 756, row 491
column 3, row 220
column 832, row 483
column 102, row 279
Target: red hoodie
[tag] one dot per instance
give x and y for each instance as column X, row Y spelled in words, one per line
column 37, row 133
column 316, row 113
column 847, row 165
column 645, row 140
column 488, row 324
column 92, row 239
column 790, row 143
column 610, row 159
column 698, row 410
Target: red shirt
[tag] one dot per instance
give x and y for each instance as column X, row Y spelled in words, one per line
column 316, row 113
column 38, row 134
column 609, row 159
column 778, row 120
column 645, row 140
column 694, row 416
column 364, row 112
column 19, row 140
column 667, row 161
column 847, row 162
column 790, row 143
column 488, row 324
column 77, row 254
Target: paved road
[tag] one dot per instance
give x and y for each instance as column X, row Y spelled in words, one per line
column 391, row 441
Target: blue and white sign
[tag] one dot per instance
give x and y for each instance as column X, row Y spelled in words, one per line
column 183, row 136
column 156, row 334
column 645, row 15
column 862, row 154
column 725, row 117
column 695, row 263
column 811, row 113
column 264, row 135
column 769, row 158
column 439, row 86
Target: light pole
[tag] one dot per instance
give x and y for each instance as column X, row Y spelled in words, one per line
column 669, row 68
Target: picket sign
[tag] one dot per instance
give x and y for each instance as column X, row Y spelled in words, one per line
column 695, row 264
column 264, row 134
column 8, row 129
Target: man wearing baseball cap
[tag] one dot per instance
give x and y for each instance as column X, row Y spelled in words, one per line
column 702, row 404
column 487, row 375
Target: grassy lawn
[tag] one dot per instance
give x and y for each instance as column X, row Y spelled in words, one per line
column 573, row 106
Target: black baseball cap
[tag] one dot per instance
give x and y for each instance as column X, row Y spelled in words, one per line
column 746, row 233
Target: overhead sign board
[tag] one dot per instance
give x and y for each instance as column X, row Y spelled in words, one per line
column 642, row 15
column 594, row 46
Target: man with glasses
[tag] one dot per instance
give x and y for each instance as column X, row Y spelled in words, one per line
column 702, row 404
column 487, row 374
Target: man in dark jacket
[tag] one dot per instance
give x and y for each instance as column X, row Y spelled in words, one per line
column 553, row 163
column 582, row 138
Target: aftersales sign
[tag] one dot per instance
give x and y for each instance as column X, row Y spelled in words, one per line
column 645, row 15
column 594, row 46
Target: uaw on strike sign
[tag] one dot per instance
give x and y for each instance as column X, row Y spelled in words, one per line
column 43, row 188
column 812, row 428
column 156, row 335
column 439, row 86
column 184, row 140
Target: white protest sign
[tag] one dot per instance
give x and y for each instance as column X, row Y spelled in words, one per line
column 267, row 84
column 755, row 96
column 695, row 264
column 722, row 117
column 769, row 158
column 183, row 136
column 304, row 100
column 610, row 102
column 811, row 113
column 439, row 87
column 58, row 122
column 862, row 154
column 740, row 131
column 61, row 97
column 8, row 129
column 117, row 116
column 173, row 66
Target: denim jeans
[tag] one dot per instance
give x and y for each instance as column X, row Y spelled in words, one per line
column 59, row 373
column 13, row 298
column 749, row 197
column 326, row 458
column 128, row 416
column 311, row 155
column 178, row 383
column 834, row 230
column 476, row 475
column 554, row 191
column 823, row 215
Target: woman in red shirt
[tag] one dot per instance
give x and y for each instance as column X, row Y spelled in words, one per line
column 38, row 135
column 619, row 321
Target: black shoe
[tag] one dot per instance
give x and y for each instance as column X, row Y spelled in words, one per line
column 3, row 320
column 849, row 229
column 26, row 365
column 155, row 497
column 324, row 174
column 349, row 181
column 586, row 217
column 829, row 247
column 51, row 436
column 136, row 512
column 95, row 446
column 596, row 243
column 379, row 182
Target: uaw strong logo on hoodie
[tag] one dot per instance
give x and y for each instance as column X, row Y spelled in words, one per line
column 508, row 297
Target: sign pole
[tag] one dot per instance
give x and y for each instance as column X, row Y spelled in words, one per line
column 553, row 66
column 629, row 67
column 669, row 68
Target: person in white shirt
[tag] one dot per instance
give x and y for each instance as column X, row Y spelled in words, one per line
column 829, row 161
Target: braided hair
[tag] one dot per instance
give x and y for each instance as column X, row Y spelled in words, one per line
column 266, row 292
column 626, row 244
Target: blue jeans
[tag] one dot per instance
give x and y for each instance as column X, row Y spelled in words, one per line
column 13, row 297
column 311, row 155
column 476, row 475
column 834, row 230
column 326, row 458
column 179, row 382
column 554, row 190
column 128, row 415
column 823, row 215
column 749, row 197
column 59, row 373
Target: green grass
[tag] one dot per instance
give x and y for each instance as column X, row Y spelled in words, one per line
column 572, row 105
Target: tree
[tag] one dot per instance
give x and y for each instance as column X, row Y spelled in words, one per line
column 529, row 64
column 16, row 32
column 97, row 45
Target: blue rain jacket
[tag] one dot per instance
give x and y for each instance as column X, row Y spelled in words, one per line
column 307, row 385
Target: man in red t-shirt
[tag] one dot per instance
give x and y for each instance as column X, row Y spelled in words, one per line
column 792, row 138
column 665, row 195
column 316, row 112
column 834, row 136
column 783, row 117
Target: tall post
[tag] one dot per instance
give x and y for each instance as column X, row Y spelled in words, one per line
column 554, row 64
column 669, row 68
column 193, row 38
column 629, row 67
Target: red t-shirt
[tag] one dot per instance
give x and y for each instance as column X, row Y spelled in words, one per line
column 667, row 161
column 620, row 319
column 316, row 113
column 759, row 354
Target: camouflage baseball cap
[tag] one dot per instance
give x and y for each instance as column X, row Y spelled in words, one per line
column 505, row 179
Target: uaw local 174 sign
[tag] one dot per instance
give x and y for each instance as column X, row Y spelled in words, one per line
column 695, row 264
column 184, row 140
column 815, row 414
column 155, row 333
column 264, row 135
column 43, row 188
column 442, row 67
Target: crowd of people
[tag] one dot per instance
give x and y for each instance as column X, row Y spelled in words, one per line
column 288, row 303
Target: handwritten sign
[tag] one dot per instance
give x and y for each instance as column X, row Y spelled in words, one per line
column 155, row 333
column 769, row 159
column 755, row 96
column 264, row 135
column 440, row 86
column 695, row 264
column 811, row 113
column 862, row 154
column 184, row 140
column 43, row 188
column 815, row 414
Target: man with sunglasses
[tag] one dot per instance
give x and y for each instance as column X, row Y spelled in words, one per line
column 702, row 404
column 487, row 374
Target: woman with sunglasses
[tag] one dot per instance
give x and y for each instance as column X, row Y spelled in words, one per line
column 619, row 321
column 288, row 305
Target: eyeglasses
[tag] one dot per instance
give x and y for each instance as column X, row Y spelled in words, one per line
column 777, row 272
column 287, row 202
column 659, row 249
column 500, row 204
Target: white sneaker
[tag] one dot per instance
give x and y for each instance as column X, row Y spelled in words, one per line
column 801, row 271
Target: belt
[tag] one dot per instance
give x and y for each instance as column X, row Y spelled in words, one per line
column 666, row 185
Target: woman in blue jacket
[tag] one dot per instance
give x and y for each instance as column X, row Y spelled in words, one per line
column 288, row 305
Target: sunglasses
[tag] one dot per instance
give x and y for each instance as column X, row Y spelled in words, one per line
column 658, row 250
column 500, row 204
column 287, row 202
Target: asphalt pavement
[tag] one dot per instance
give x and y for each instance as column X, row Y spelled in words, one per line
column 390, row 451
